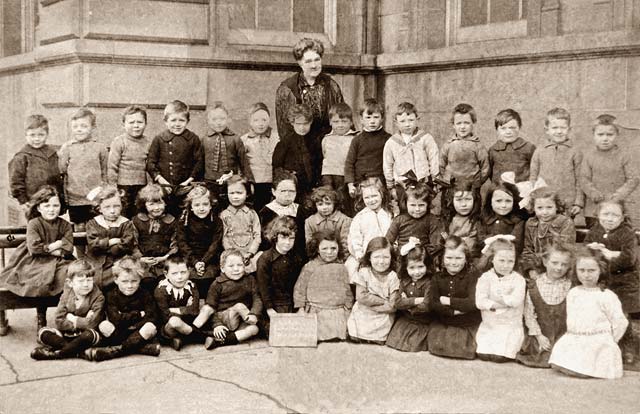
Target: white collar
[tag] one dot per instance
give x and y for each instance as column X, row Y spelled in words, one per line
column 107, row 224
column 290, row 210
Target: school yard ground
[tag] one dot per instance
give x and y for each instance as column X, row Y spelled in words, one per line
column 253, row 378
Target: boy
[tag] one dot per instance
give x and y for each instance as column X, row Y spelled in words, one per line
column 178, row 302
column 294, row 152
column 558, row 162
column 128, row 158
column 463, row 156
column 83, row 162
column 411, row 149
column 365, row 152
column 335, row 147
column 131, row 313
column 278, row 269
column 35, row 164
column 175, row 155
column 234, row 302
column 80, row 310
column 223, row 151
column 606, row 172
column 510, row 152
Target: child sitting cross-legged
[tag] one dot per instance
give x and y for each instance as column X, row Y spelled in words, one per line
column 131, row 313
column 178, row 302
column 234, row 302
column 78, row 314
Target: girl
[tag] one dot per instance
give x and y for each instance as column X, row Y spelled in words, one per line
column 199, row 238
column 453, row 298
column 377, row 288
column 500, row 298
column 110, row 236
column 327, row 217
column 501, row 215
column 155, row 230
column 416, row 220
column 260, row 142
column 595, row 323
column 548, row 226
column 615, row 238
column 545, row 308
column 461, row 213
column 241, row 225
column 411, row 329
column 38, row 267
column 323, row 287
column 370, row 222
column 284, row 193
column 80, row 310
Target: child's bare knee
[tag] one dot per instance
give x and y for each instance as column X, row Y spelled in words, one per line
column 252, row 330
column 148, row 330
column 106, row 328
column 175, row 322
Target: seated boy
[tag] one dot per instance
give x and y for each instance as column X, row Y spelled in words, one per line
column 80, row 310
column 131, row 313
column 178, row 302
column 234, row 302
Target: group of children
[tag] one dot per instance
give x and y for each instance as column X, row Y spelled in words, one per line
column 253, row 227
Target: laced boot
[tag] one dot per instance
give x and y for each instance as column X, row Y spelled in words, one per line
column 105, row 353
column 43, row 353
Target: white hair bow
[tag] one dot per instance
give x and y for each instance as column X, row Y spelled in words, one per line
column 411, row 244
column 94, row 193
column 525, row 188
column 489, row 241
column 225, row 177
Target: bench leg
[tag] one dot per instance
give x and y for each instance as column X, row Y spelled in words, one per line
column 4, row 323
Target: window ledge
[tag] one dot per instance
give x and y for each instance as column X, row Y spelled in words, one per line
column 492, row 31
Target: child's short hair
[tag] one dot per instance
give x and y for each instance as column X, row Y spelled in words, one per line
column 305, row 44
column 150, row 192
column 499, row 245
column 547, row 192
column 372, row 106
column 557, row 113
column 176, row 107
column 417, row 254
column 218, row 105
column 41, row 196
column 454, row 242
column 128, row 265
column 238, row 179
column 507, row 115
column 281, row 176
column 406, row 108
column 176, row 259
column 324, row 193
column 511, row 189
column 606, row 120
column 558, row 247
column 80, row 267
column 134, row 109
column 36, row 121
column 377, row 243
column 466, row 186
column 418, row 191
column 228, row 253
column 84, row 112
column 585, row 252
column 299, row 110
column 342, row 110
column 104, row 193
column 281, row 225
column 464, row 108
column 259, row 106
column 377, row 184
column 615, row 203
column 320, row 236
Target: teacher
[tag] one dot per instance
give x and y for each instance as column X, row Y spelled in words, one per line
column 313, row 88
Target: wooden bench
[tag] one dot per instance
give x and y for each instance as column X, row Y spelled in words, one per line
column 11, row 238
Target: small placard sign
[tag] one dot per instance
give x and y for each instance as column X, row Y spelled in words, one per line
column 294, row 330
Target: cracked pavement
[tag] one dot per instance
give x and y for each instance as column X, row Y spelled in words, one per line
column 335, row 377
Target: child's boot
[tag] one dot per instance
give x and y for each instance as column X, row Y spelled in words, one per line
column 230, row 339
column 42, row 317
column 150, row 348
column 43, row 353
column 176, row 343
column 105, row 353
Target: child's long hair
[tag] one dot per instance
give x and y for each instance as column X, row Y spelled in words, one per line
column 417, row 254
column 197, row 191
column 377, row 243
column 377, row 184
column 238, row 179
column 558, row 247
column 320, row 236
column 585, row 252
column 512, row 190
column 465, row 186
column 149, row 193
column 546, row 192
column 43, row 195
column 418, row 190
column 320, row 194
